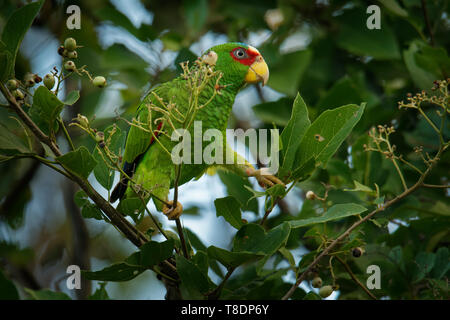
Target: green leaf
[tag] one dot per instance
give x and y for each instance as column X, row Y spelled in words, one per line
column 425, row 64
column 8, row 290
column 45, row 109
column 231, row 259
column 292, row 135
column 119, row 272
column 100, row 293
column 79, row 161
column 286, row 73
column 150, row 254
column 424, row 263
column 326, row 134
column 196, row 13
column 72, row 97
column 276, row 112
column 192, row 279
column 237, row 187
column 252, row 238
column 14, row 31
column 441, row 263
column 199, row 246
column 131, row 207
column 9, row 141
column 230, row 209
column 80, row 198
column 394, row 7
column 91, row 211
column 288, row 256
column 115, row 139
column 360, row 187
column 336, row 212
column 5, row 64
column 356, row 38
column 46, row 294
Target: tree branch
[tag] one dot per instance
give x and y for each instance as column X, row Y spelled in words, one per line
column 383, row 207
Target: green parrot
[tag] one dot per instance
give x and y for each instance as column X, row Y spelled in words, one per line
column 146, row 158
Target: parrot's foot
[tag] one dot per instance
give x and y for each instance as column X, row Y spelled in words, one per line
column 264, row 180
column 172, row 212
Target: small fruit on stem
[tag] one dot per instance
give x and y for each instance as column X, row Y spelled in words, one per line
column 49, row 81
column 310, row 195
column 69, row 65
column 325, row 291
column 99, row 136
column 29, row 80
column 316, row 282
column 70, row 44
column 18, row 94
column 72, row 55
column 99, row 81
column 12, row 84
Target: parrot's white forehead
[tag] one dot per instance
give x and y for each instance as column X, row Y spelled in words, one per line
column 254, row 49
column 210, row 58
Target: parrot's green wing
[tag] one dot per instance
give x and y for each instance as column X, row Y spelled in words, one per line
column 139, row 140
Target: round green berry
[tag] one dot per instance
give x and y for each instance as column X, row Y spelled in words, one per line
column 99, row 81
column 49, row 81
column 69, row 65
column 70, row 44
column 325, row 291
column 18, row 94
column 12, row 84
column 72, row 55
column 316, row 282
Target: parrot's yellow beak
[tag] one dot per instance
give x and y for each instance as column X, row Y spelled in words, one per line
column 258, row 71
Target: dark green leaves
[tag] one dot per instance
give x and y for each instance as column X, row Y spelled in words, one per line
column 115, row 139
column 46, row 294
column 253, row 238
column 8, row 290
column 196, row 12
column 286, row 72
column 305, row 145
column 10, row 142
column 45, row 110
column 79, row 161
column 150, row 254
column 229, row 208
column 336, row 212
column 232, row 259
column 13, row 32
column 250, row 243
column 237, row 187
column 193, row 280
column 356, row 38
column 326, row 134
column 293, row 134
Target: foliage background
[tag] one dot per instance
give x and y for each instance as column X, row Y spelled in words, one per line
column 321, row 49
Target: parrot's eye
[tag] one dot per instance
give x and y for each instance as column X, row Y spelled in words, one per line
column 240, row 53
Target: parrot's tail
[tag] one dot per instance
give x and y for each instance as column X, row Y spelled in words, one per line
column 119, row 190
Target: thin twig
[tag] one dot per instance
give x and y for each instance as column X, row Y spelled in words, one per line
column 383, row 207
column 427, row 22
column 352, row 275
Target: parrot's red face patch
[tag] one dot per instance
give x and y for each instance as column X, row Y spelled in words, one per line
column 244, row 56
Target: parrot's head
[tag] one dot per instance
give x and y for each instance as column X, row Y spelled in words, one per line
column 238, row 62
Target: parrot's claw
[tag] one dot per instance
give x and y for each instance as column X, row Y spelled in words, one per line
column 172, row 212
column 264, row 180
